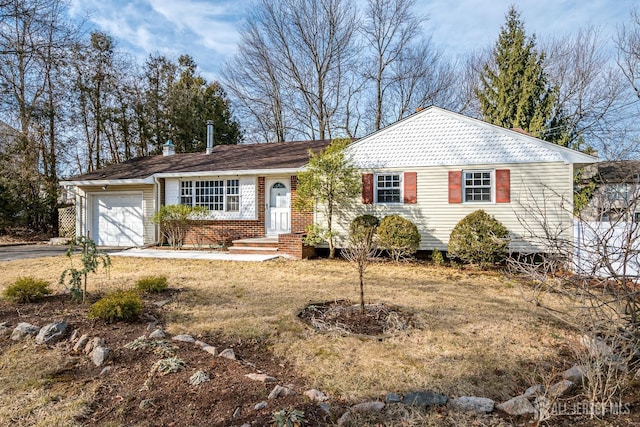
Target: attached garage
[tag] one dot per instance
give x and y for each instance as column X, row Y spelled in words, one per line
column 117, row 219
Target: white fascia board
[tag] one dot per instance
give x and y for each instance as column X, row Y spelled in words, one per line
column 228, row 173
column 99, row 182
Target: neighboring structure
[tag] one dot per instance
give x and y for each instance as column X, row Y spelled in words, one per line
column 247, row 188
column 613, row 190
column 436, row 166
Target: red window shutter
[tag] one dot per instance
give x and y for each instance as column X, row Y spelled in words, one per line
column 503, row 186
column 367, row 188
column 455, row 186
column 410, row 187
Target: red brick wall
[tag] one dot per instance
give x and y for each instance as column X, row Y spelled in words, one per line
column 300, row 220
column 291, row 244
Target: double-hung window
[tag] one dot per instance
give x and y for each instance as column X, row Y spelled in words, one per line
column 477, row 186
column 215, row 195
column 388, row 188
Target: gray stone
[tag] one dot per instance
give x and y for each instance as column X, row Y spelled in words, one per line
column 279, row 391
column 480, row 405
column 162, row 303
column 425, row 399
column 261, row 377
column 228, row 353
column 183, row 338
column 575, row 374
column 316, row 395
column 246, row 425
column 106, row 370
column 210, row 349
column 99, row 355
column 260, row 406
column 74, row 335
column 534, row 390
column 95, row 342
column 561, row 388
column 82, row 342
column 4, row 331
column 367, row 407
column 393, row 398
column 51, row 333
column 200, row 343
column 344, row 419
column 325, row 407
column 518, row 405
column 158, row 334
column 22, row 330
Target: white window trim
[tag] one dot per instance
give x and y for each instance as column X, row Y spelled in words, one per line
column 492, row 191
column 224, row 193
column 375, row 188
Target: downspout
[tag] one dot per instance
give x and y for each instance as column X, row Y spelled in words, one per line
column 158, row 237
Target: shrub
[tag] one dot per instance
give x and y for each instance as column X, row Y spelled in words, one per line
column 479, row 239
column 174, row 221
column 118, row 305
column 364, row 227
column 27, row 289
column 437, row 257
column 399, row 236
column 152, row 284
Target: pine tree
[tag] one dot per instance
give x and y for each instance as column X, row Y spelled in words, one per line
column 514, row 91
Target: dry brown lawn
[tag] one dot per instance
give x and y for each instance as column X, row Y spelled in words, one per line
column 476, row 336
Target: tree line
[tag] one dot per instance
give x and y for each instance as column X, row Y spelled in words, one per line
column 72, row 101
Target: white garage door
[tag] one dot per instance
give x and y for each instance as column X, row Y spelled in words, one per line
column 117, row 220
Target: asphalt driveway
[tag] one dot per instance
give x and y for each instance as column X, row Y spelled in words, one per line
column 16, row 252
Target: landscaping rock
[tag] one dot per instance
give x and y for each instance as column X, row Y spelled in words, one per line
column 344, row 419
column 211, row 350
column 183, row 338
column 146, row 404
column 316, row 395
column 261, row 377
column 74, row 335
column 158, row 334
column 228, row 353
column 260, row 406
column 51, row 333
column 480, row 405
column 162, row 303
column 23, row 330
column 95, row 342
column 518, row 405
column 393, row 398
column 4, row 330
column 99, row 355
column 533, row 391
column 106, row 370
column 279, row 391
column 325, row 407
column 82, row 342
column 367, row 407
column 425, row 399
column 575, row 374
column 561, row 388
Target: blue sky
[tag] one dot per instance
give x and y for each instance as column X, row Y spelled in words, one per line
column 208, row 29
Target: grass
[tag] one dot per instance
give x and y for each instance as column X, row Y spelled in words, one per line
column 478, row 336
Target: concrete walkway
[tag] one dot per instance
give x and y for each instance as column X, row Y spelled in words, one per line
column 209, row 255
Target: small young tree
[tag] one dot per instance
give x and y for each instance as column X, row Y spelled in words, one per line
column 330, row 182
column 399, row 236
column 91, row 258
column 479, row 238
column 174, row 220
column 361, row 247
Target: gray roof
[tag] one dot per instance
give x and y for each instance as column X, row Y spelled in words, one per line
column 224, row 158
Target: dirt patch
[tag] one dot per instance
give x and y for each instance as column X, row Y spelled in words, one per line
column 129, row 393
column 377, row 320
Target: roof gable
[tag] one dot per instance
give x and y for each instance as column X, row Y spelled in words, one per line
column 437, row 137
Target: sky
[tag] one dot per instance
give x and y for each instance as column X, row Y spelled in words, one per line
column 208, row 30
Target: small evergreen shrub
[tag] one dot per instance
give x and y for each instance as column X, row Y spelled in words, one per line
column 437, row 257
column 27, row 289
column 364, row 227
column 118, row 305
column 152, row 284
column 480, row 239
column 399, row 236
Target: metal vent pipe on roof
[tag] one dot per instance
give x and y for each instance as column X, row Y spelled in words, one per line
column 209, row 136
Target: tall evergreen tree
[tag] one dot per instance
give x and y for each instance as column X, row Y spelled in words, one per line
column 514, row 90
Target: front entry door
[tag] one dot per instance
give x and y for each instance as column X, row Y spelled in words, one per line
column 278, row 207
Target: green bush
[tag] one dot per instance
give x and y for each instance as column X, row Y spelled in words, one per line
column 437, row 257
column 479, row 239
column 118, row 305
column 364, row 227
column 399, row 236
column 152, row 284
column 27, row 289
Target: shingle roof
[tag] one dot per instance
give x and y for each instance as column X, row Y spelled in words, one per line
column 437, row 137
column 286, row 155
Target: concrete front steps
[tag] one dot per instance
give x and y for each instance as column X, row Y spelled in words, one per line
column 259, row 245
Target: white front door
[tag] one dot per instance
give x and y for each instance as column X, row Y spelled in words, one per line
column 278, row 207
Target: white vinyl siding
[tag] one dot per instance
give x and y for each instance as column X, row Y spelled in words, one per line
column 535, row 192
